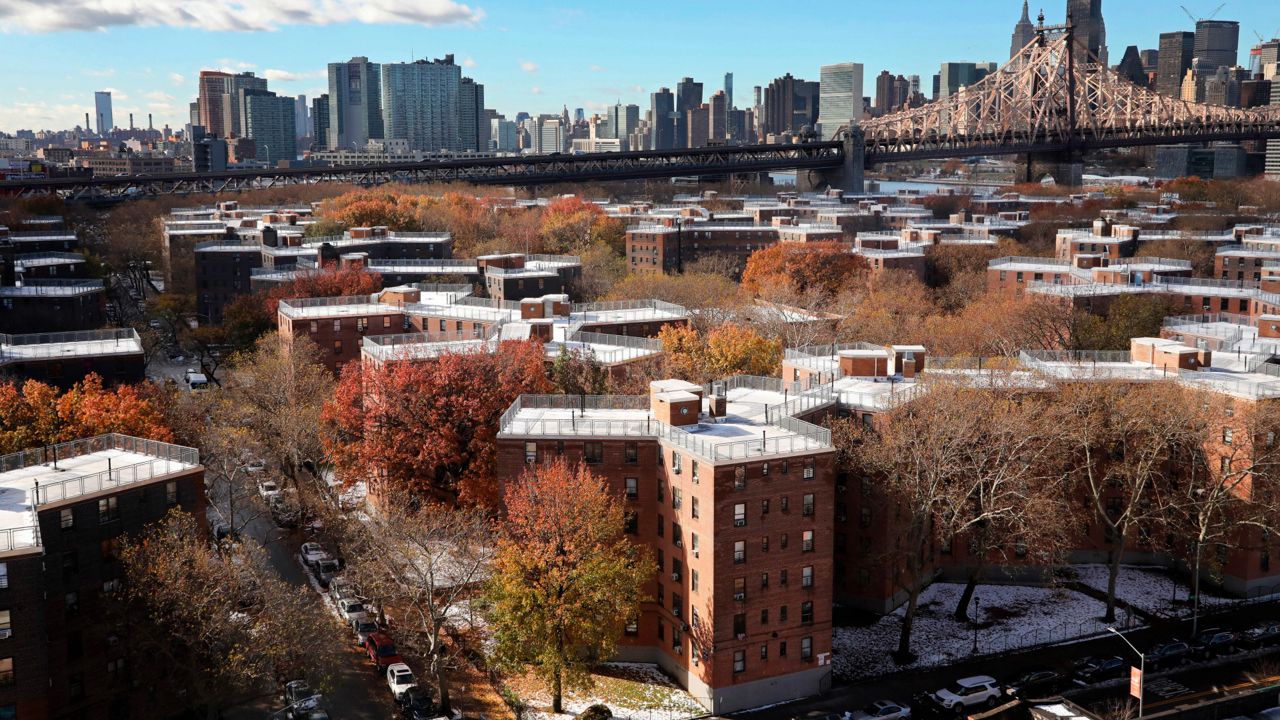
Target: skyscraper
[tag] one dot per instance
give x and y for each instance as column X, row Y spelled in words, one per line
column 1130, row 67
column 662, row 106
column 301, row 118
column 952, row 76
column 623, row 120
column 886, row 95
column 102, row 109
column 355, row 103
column 320, row 122
column 1176, row 52
column 473, row 128
column 791, row 103
column 232, row 112
column 269, row 122
column 421, row 102
column 688, row 97
column 1090, row 30
column 1023, row 33
column 718, row 117
column 212, row 89
column 1217, row 44
column 728, row 90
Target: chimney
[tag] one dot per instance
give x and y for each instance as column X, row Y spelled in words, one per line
column 130, row 121
column 150, row 125
column 87, row 126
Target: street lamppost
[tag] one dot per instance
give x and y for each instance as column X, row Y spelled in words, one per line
column 1142, row 667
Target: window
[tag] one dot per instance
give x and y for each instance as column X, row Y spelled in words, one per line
column 676, row 604
column 782, row 614
column 693, row 580
column 71, row 602
column 739, row 661
column 782, row 649
column 864, row 518
column 694, row 470
column 693, row 543
column 315, row 326
column 782, row 541
column 337, row 325
column 739, row 514
column 662, row 526
column 171, row 493
column 806, row 648
column 1226, row 465
column 676, row 534
column 6, row 671
column 764, row 651
column 337, row 347
column 782, row 577
column 6, row 627
column 677, row 498
column 808, row 469
column 361, row 324
column 593, row 452
column 806, row 541
column 111, row 586
column 631, row 523
column 107, row 549
column 784, row 503
column 764, row 543
column 693, row 507
column 108, row 510
column 66, row 518
column 739, row 589
column 633, row 489
column 807, row 505
column 530, row 453
column 806, row 612
column 764, row 470
column 786, row 467
column 739, row 552
column 4, row 575
column 764, row 580
column 386, row 322
column 632, row 627
column 764, row 616
column 764, row 506
column 1227, row 435
column 739, row 477
column 806, row 576
column 631, row 453
column 675, row 462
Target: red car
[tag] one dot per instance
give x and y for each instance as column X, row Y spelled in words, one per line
column 382, row 651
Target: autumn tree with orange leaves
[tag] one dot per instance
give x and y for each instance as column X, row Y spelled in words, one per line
column 571, row 224
column 825, row 267
column 565, row 578
column 429, row 428
column 723, row 351
column 34, row 414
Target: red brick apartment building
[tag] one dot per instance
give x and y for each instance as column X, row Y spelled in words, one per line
column 60, row 653
column 733, row 496
column 64, row 359
column 868, row 380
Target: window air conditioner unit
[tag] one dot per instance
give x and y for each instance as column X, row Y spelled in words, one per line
column 739, row 596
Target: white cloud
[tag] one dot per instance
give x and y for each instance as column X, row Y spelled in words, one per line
column 288, row 76
column 159, row 96
column 90, row 72
column 535, row 90
column 636, row 88
column 176, row 78
column 45, row 16
column 596, row 68
column 469, row 63
column 529, row 66
column 116, row 95
column 231, row 66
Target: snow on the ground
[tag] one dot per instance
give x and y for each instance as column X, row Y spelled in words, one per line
column 1010, row 617
column 1150, row 588
column 633, row 691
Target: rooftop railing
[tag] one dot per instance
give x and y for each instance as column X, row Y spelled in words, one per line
column 554, row 259
column 1224, row 382
column 53, row 288
column 1028, row 260
column 49, row 257
column 449, row 266
column 69, row 344
column 1208, row 283
column 631, row 305
column 1149, row 260
column 518, row 271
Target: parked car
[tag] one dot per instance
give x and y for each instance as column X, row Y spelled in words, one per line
column 382, row 650
column 1092, row 670
column 363, row 629
column 341, row 588
column 1267, row 633
column 1037, row 682
column 312, row 552
column 325, row 571
column 299, row 699
column 976, row 691
column 1168, row 654
column 255, row 466
column 883, row 709
column 399, row 679
column 269, row 490
column 416, row 704
column 1213, row 643
column 352, row 609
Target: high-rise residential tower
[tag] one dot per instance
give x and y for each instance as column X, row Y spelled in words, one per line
column 1090, row 30
column 421, row 102
column 688, row 97
column 1177, row 49
column 473, row 126
column 320, row 122
column 718, row 117
column 1023, row 33
column 102, row 109
column 301, row 117
column 269, row 122
column 355, row 103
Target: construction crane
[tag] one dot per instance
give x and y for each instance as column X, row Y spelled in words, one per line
column 1212, row 15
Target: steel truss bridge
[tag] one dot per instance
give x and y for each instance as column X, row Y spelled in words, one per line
column 1053, row 101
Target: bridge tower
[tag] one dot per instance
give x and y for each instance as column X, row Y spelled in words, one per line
column 1065, row 166
column 850, row 176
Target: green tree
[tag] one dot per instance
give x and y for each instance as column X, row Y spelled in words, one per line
column 565, row 579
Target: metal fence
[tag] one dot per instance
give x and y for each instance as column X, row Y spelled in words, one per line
column 69, row 344
column 163, row 458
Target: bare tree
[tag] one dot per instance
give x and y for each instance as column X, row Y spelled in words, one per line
column 220, row 625
column 1124, row 441
column 424, row 564
column 1225, row 498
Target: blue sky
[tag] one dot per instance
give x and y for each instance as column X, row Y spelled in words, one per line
column 535, row 56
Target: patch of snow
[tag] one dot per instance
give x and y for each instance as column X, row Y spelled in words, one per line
column 649, row 695
column 1151, row 589
column 1010, row 617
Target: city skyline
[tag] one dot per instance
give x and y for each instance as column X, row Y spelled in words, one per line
column 530, row 59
